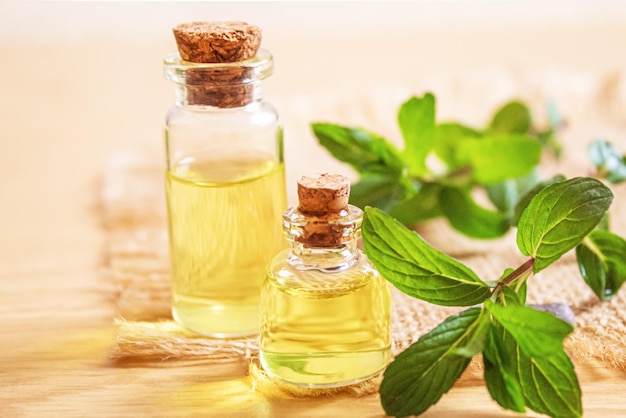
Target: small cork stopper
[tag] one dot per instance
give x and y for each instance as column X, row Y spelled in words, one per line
column 217, row 42
column 323, row 197
column 323, row 194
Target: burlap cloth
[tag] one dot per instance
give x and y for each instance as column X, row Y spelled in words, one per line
column 133, row 210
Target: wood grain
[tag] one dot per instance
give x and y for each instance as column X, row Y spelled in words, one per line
column 60, row 123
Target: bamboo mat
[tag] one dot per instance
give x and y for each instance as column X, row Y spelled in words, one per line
column 133, row 211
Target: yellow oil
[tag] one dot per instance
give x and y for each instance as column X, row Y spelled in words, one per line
column 324, row 329
column 225, row 226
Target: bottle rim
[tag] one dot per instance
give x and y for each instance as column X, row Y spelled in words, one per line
column 256, row 68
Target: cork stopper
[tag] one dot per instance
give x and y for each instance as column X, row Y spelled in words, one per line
column 323, row 198
column 213, row 43
column 217, row 42
column 323, row 195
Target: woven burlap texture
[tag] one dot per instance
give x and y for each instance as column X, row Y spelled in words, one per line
column 133, row 209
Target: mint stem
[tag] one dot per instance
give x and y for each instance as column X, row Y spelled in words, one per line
column 528, row 265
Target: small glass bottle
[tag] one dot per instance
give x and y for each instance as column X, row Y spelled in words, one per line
column 225, row 177
column 325, row 310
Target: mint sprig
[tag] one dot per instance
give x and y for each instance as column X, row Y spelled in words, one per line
column 525, row 364
column 501, row 159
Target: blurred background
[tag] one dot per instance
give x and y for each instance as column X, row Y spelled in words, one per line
column 81, row 82
column 82, row 105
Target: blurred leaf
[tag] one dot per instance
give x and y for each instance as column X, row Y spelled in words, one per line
column 497, row 158
column 602, row 262
column 417, row 124
column 528, row 196
column 468, row 217
column 422, row 206
column 609, row 161
column 379, row 190
column 513, row 117
column 505, row 195
column 447, row 138
column 364, row 151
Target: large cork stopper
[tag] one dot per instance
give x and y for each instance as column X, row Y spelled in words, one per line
column 218, row 43
column 323, row 197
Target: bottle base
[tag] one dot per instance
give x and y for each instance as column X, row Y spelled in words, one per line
column 324, row 371
column 219, row 321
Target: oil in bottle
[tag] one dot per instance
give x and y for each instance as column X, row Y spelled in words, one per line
column 223, row 218
column 225, row 177
column 325, row 310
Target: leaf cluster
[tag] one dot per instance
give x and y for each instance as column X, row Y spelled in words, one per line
column 444, row 165
column 601, row 256
column 525, row 365
column 500, row 161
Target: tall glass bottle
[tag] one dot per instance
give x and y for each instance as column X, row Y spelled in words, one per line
column 325, row 310
column 225, row 183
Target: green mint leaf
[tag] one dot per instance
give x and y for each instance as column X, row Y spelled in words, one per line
column 513, row 117
column 523, row 201
column 511, row 297
column 364, row 151
column 383, row 191
column 417, row 124
column 604, row 224
column 558, row 218
column 609, row 161
column 422, row 206
column 602, row 262
column 420, row 375
column 538, row 333
column 500, row 157
column 468, row 217
column 506, row 194
column 475, row 343
column 500, row 377
column 447, row 138
column 548, row 383
column 414, row 267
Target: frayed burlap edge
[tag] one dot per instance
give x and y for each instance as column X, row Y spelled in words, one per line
column 133, row 211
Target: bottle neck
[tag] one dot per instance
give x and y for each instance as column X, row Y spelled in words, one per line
column 323, row 244
column 216, row 96
column 304, row 257
column 219, row 85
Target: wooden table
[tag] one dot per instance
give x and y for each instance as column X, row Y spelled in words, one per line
column 67, row 106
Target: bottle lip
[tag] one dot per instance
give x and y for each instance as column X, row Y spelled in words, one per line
column 256, row 68
column 322, row 232
column 353, row 215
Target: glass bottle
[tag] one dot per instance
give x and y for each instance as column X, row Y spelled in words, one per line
column 225, row 191
column 325, row 310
